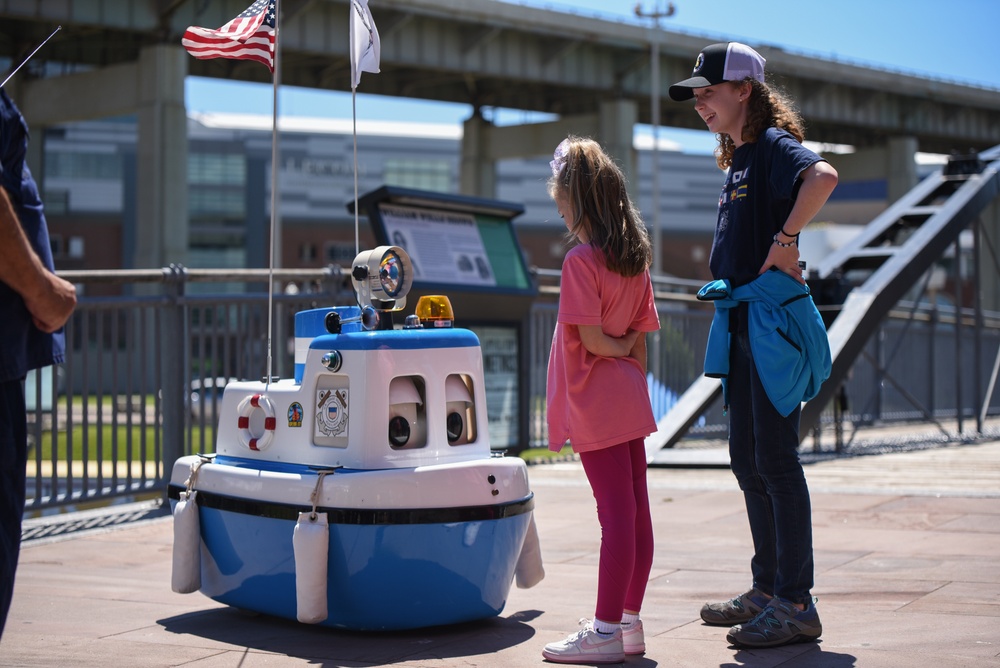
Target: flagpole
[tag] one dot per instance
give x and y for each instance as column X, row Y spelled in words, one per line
column 30, row 55
column 275, row 199
column 354, row 124
column 364, row 56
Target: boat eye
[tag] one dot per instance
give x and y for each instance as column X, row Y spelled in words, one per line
column 399, row 431
column 455, row 427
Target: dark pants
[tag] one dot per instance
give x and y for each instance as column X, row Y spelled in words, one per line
column 13, row 456
column 763, row 448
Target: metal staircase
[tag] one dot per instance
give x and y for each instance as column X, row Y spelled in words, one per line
column 882, row 262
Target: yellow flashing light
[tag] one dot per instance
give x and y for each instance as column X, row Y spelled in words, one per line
column 435, row 311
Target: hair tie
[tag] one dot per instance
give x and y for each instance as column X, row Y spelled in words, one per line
column 559, row 157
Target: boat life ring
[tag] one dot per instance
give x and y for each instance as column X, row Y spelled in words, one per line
column 246, row 409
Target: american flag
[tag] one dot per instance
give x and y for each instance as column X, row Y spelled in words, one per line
column 250, row 36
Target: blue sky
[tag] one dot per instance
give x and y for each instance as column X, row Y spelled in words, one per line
column 954, row 41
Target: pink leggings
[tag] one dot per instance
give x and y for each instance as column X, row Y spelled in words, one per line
column 618, row 478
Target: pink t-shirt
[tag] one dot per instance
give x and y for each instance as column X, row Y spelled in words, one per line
column 596, row 402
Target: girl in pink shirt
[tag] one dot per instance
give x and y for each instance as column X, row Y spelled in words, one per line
column 597, row 394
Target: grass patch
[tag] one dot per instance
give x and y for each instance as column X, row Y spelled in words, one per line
column 102, row 443
column 109, row 443
column 535, row 454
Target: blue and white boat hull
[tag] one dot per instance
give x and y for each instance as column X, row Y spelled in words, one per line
column 391, row 564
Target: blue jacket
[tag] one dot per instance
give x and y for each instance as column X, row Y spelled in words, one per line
column 787, row 337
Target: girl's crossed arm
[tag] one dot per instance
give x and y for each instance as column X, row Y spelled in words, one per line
column 598, row 343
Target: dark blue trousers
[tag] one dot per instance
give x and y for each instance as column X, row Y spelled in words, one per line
column 763, row 448
column 13, row 456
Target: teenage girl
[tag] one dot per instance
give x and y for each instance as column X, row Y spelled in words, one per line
column 773, row 188
column 597, row 394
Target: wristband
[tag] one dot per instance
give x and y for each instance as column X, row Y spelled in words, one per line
column 782, row 244
column 790, row 236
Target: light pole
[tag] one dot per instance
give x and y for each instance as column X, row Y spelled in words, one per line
column 654, row 109
column 656, row 14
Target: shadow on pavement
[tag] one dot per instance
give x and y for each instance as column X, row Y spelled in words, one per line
column 329, row 647
column 814, row 657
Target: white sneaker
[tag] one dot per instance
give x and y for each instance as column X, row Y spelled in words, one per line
column 633, row 639
column 587, row 646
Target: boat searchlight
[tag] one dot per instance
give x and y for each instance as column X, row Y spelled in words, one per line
column 382, row 278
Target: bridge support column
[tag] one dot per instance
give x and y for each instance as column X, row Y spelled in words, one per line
column 616, row 124
column 901, row 166
column 483, row 143
column 477, row 171
column 161, row 226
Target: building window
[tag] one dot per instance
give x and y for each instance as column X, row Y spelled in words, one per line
column 57, row 246
column 75, row 248
column 337, row 252
column 65, row 164
column 419, row 173
column 227, row 169
column 56, row 201
column 216, row 183
column 216, row 203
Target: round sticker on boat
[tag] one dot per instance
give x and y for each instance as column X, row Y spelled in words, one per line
column 331, row 412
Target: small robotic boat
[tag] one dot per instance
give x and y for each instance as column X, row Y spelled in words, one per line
column 363, row 494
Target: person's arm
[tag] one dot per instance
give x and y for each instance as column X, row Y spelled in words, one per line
column 598, row 343
column 49, row 299
column 638, row 351
column 818, row 182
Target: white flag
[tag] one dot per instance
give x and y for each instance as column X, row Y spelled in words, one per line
column 365, row 47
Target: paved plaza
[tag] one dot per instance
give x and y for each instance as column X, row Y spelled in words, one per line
column 907, row 575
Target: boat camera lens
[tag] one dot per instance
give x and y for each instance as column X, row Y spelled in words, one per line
column 399, row 431
column 455, row 427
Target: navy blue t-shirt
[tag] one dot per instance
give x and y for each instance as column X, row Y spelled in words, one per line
column 22, row 345
column 756, row 199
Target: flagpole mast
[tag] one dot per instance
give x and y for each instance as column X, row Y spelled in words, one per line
column 354, row 125
column 30, row 55
column 275, row 199
column 364, row 54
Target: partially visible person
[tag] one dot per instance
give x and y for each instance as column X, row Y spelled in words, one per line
column 597, row 394
column 34, row 306
column 774, row 187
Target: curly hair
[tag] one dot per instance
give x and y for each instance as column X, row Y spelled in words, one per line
column 766, row 107
column 590, row 181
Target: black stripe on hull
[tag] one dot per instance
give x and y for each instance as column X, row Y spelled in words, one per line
column 359, row 516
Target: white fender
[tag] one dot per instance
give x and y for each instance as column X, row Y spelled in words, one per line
column 310, row 544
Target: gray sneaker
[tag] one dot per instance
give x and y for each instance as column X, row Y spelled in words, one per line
column 780, row 623
column 743, row 608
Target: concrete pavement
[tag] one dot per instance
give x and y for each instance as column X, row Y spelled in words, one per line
column 907, row 574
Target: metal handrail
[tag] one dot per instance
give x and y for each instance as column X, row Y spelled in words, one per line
column 107, row 424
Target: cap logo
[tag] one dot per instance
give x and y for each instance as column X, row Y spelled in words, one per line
column 699, row 63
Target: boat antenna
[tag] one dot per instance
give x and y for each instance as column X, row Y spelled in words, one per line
column 58, row 28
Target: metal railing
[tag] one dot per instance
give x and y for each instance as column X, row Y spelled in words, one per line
column 146, row 351
column 142, row 349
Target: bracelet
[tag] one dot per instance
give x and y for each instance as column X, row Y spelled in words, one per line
column 782, row 244
column 790, row 236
